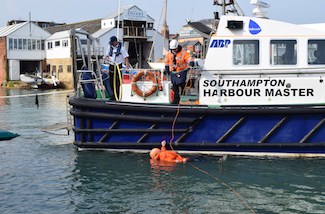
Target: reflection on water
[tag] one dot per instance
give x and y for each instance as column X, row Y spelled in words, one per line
column 44, row 173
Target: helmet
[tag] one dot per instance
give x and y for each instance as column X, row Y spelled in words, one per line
column 173, row 44
column 154, row 152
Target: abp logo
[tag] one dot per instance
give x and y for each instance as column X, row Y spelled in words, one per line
column 220, row 43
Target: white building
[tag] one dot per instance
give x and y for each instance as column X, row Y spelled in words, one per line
column 59, row 57
column 22, row 50
column 136, row 31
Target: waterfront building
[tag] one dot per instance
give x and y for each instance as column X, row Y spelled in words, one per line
column 22, row 50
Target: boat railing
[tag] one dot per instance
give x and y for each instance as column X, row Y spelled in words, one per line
column 91, row 84
column 89, row 58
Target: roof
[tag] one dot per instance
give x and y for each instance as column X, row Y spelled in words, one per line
column 5, row 31
column 101, row 32
column 122, row 9
column 60, row 35
column 90, row 26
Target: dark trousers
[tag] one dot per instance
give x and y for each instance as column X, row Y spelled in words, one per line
column 179, row 81
column 114, row 80
column 176, row 92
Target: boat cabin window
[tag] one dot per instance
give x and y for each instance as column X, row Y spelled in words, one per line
column 316, row 52
column 246, row 52
column 283, row 52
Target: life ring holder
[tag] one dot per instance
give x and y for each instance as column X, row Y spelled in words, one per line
column 149, row 76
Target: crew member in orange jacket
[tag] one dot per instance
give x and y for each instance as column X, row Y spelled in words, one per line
column 165, row 155
column 177, row 63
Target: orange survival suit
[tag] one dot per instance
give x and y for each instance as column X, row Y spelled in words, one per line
column 164, row 155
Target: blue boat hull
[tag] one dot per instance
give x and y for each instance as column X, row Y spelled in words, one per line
column 100, row 124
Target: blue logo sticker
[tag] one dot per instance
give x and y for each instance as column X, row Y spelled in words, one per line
column 254, row 28
column 220, row 43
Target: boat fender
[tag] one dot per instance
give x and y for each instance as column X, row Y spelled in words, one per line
column 150, row 76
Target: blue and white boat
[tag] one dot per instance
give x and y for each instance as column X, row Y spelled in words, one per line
column 260, row 92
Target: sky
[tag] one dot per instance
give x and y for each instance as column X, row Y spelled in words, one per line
column 70, row 11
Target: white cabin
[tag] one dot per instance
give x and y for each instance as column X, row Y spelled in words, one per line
column 257, row 61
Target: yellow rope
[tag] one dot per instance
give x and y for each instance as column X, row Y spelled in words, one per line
column 114, row 81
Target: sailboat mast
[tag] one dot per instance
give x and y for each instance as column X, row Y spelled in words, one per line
column 164, row 29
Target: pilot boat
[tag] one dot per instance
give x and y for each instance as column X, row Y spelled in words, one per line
column 260, row 92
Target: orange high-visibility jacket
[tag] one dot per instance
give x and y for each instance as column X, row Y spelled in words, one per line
column 169, row 156
column 182, row 60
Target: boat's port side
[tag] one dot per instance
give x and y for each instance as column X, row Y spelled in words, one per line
column 112, row 125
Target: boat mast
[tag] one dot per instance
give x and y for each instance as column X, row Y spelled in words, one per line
column 118, row 19
column 224, row 4
column 164, row 29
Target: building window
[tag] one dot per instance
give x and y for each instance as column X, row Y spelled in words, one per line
column 15, row 44
column 316, row 51
column 25, row 46
column 83, row 41
column 53, row 69
column 150, row 26
column 283, row 52
column 33, row 44
column 20, row 44
column 49, row 45
column 29, row 44
column 60, row 68
column 10, row 44
column 246, row 52
column 65, row 43
column 38, row 43
column 42, row 44
column 57, row 43
column 69, row 68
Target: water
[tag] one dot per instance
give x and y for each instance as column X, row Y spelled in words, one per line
column 42, row 172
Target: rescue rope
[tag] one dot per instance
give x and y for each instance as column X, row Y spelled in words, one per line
column 33, row 95
column 195, row 167
column 226, row 185
column 178, row 110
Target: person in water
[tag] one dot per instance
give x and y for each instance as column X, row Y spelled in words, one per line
column 164, row 155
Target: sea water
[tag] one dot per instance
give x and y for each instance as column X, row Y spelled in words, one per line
column 41, row 171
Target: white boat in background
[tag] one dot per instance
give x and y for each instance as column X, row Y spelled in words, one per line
column 30, row 79
column 37, row 81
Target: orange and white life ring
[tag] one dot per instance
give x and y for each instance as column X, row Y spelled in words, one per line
column 149, row 77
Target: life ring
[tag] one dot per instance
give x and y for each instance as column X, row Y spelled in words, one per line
column 149, row 77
